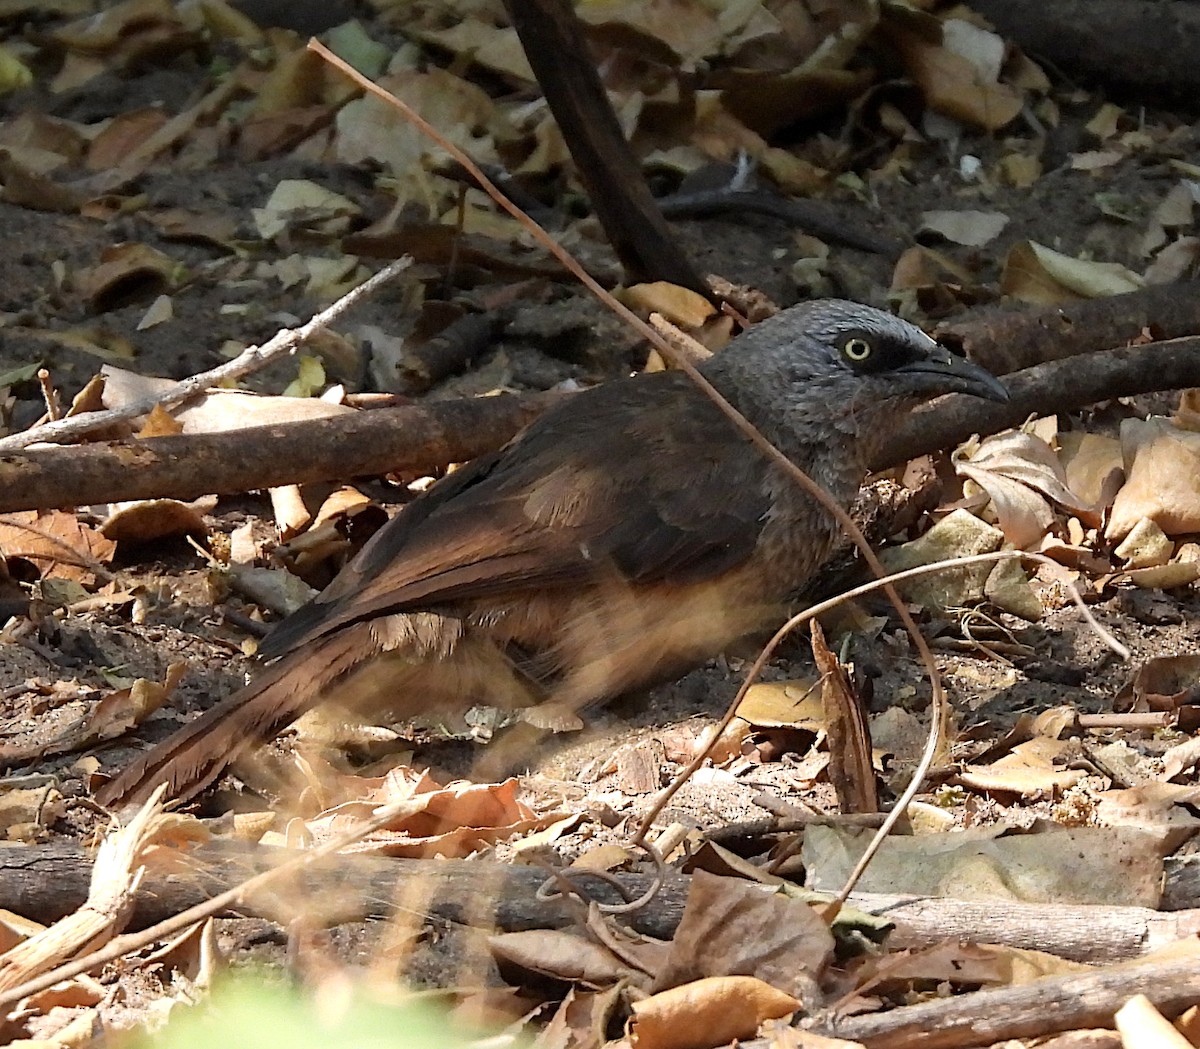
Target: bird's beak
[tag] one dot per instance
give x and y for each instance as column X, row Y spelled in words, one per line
column 941, row 371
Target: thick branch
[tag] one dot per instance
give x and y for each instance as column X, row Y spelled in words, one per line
column 553, row 40
column 1059, row 386
column 1039, row 1008
column 1006, row 338
column 46, row 882
column 419, row 438
column 1149, row 47
column 411, row 439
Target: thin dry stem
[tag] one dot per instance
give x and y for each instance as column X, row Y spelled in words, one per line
column 49, row 395
column 249, row 360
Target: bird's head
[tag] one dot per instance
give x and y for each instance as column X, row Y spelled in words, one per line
column 839, row 361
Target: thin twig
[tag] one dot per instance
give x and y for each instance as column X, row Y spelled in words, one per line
column 49, row 395
column 251, row 359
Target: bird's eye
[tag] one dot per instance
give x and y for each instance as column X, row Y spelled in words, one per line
column 856, row 349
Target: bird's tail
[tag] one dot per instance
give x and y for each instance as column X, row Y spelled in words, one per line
column 196, row 754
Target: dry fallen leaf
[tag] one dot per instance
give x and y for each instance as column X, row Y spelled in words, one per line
column 1110, row 865
column 1035, row 273
column 709, row 1012
column 972, row 228
column 1163, row 467
column 731, row 926
column 564, row 956
column 456, row 820
column 56, row 542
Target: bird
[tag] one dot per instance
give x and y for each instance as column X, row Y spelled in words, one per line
column 627, row 535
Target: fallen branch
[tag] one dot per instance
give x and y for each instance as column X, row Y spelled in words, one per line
column 46, row 882
column 551, row 34
column 1036, row 1009
column 1147, row 47
column 1054, row 387
column 423, row 438
column 412, row 439
column 1006, row 338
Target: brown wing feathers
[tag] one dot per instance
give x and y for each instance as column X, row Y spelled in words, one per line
column 543, row 517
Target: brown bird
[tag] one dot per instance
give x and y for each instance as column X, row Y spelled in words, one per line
column 627, row 535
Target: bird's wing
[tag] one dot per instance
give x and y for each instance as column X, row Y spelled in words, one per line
column 643, row 477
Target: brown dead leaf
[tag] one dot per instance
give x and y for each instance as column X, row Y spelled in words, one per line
column 127, row 273
column 1021, row 474
column 564, row 956
column 1037, row 274
column 954, row 962
column 193, row 954
column 1028, row 770
column 1093, row 467
column 1163, row 467
column 580, row 1021
column 123, row 134
column 57, row 543
column 456, row 820
column 145, row 520
column 217, row 229
column 159, row 423
column 850, row 767
column 784, row 704
column 732, row 926
column 679, row 305
column 954, row 85
column 32, row 189
column 113, row 716
column 705, row 1013
column 1162, row 683
column 1187, row 415
column 971, row 228
column 98, row 341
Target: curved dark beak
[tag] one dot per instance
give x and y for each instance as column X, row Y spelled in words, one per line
column 941, row 371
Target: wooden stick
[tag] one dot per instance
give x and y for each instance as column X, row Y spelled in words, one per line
column 1039, row 1008
column 412, row 439
column 44, row 882
column 251, row 359
column 553, row 40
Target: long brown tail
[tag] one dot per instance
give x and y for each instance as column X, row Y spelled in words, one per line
column 193, row 757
